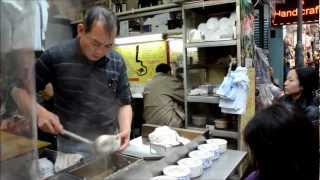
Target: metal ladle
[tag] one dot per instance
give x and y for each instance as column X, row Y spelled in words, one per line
column 104, row 144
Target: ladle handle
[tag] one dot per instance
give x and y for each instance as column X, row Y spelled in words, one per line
column 76, row 137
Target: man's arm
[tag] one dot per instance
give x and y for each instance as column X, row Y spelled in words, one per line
column 46, row 121
column 125, row 119
column 125, row 111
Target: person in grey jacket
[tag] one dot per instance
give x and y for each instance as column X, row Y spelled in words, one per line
column 164, row 99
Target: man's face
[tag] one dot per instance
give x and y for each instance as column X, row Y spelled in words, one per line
column 96, row 43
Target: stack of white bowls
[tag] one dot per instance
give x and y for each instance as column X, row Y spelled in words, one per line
column 163, row 178
column 198, row 161
column 221, row 143
column 195, row 166
column 178, row 172
column 204, row 156
column 212, row 149
column 214, row 29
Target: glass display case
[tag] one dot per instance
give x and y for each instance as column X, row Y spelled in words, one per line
column 18, row 135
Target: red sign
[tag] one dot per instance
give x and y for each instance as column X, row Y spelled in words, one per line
column 288, row 13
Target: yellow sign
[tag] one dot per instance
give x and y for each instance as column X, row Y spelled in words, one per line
column 142, row 59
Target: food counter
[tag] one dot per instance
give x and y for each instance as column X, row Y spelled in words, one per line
column 138, row 162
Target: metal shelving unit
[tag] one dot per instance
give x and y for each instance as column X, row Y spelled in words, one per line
column 141, row 12
column 220, row 133
column 203, row 4
column 148, row 11
column 225, row 133
column 203, row 99
column 211, row 44
column 198, row 11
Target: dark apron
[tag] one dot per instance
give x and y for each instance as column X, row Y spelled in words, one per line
column 88, row 107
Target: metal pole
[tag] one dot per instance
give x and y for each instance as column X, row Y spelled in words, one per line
column 299, row 46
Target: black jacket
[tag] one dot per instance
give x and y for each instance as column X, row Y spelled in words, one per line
column 308, row 107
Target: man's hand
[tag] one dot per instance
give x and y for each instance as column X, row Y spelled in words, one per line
column 124, row 139
column 124, row 118
column 49, row 122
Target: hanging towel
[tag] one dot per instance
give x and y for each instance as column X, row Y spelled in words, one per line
column 233, row 91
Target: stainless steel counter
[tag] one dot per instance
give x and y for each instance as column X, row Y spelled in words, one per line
column 221, row 169
column 152, row 166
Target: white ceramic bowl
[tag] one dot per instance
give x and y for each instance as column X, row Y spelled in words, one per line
column 203, row 156
column 212, row 149
column 212, row 23
column 195, row 166
column 179, row 172
column 195, row 35
column 221, row 143
column 163, row 178
column 202, row 27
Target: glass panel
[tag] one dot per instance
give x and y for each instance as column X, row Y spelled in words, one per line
column 18, row 152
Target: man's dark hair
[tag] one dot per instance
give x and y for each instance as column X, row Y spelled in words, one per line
column 164, row 68
column 98, row 13
column 283, row 144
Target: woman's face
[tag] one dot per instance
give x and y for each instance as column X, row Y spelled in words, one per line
column 292, row 85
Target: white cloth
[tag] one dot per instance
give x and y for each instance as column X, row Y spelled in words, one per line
column 226, row 87
column 166, row 137
column 233, row 91
column 198, row 91
column 65, row 160
column 45, row 168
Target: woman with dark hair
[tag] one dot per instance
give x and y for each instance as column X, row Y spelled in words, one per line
column 299, row 90
column 283, row 145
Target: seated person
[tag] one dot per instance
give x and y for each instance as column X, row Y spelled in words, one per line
column 283, row 145
column 164, row 99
